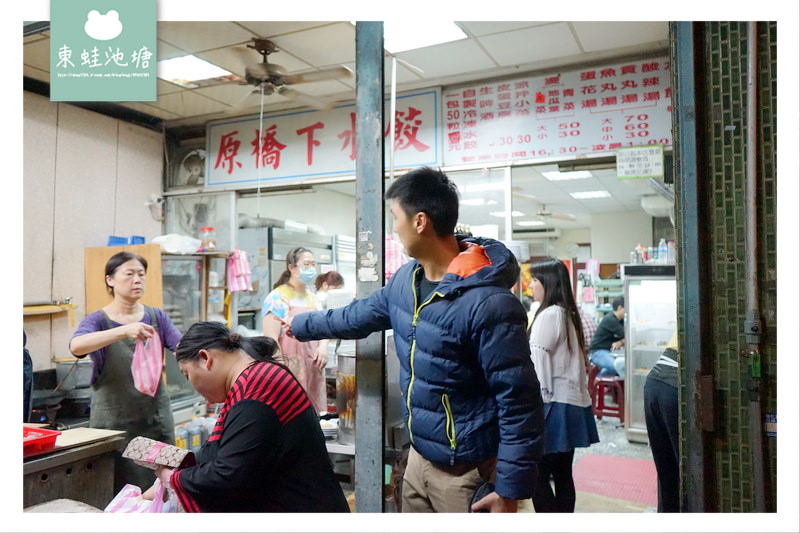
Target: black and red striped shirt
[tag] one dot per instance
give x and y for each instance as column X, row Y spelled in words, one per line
column 266, row 452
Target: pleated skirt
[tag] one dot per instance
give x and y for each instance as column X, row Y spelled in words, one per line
column 568, row 427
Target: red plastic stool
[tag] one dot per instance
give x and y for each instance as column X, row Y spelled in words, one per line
column 598, row 385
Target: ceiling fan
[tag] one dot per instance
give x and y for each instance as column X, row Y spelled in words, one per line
column 270, row 78
column 545, row 213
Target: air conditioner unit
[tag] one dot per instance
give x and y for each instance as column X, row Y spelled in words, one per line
column 537, row 233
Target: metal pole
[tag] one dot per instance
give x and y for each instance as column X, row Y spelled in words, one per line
column 752, row 321
column 370, row 365
column 693, row 464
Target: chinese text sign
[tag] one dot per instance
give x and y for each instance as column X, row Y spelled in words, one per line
column 292, row 147
column 640, row 162
column 591, row 110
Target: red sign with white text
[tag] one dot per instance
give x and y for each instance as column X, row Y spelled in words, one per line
column 580, row 112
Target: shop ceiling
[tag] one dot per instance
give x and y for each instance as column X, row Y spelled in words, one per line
column 491, row 50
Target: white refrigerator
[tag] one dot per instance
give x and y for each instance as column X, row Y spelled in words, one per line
column 650, row 319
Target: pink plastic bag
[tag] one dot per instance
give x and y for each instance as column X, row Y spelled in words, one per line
column 147, row 365
column 129, row 500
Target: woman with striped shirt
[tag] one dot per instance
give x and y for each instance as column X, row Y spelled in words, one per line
column 266, row 452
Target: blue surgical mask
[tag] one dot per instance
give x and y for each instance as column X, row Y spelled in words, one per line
column 308, row 275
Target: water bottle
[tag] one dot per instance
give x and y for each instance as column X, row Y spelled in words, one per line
column 182, row 437
column 204, row 432
column 194, row 436
column 663, row 251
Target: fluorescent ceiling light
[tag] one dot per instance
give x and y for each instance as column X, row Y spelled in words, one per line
column 573, row 175
column 186, row 69
column 502, row 214
column 588, row 195
column 529, row 223
column 477, row 201
column 482, row 187
column 400, row 36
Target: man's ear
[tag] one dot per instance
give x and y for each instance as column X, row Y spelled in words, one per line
column 421, row 221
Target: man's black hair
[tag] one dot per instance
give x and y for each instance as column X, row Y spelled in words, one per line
column 617, row 303
column 427, row 190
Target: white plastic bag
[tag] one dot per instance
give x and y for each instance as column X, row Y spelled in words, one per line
column 174, row 243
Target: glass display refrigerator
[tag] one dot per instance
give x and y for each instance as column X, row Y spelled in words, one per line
column 650, row 319
column 193, row 290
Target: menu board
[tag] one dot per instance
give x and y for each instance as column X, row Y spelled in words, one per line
column 560, row 115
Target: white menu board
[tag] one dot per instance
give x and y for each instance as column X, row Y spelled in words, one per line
column 579, row 112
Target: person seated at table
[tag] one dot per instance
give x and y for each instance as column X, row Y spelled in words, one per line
column 610, row 336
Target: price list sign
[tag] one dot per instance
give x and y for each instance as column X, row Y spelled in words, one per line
column 581, row 112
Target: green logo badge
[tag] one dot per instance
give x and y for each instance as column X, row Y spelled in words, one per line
column 103, row 50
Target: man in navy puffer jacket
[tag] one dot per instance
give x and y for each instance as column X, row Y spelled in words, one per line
column 471, row 397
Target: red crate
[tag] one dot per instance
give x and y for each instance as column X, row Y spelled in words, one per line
column 38, row 440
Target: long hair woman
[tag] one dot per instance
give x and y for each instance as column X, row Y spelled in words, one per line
column 291, row 296
column 266, row 452
column 559, row 355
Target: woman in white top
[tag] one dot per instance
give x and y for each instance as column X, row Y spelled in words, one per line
column 558, row 353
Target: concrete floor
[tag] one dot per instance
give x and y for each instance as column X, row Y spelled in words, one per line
column 613, row 441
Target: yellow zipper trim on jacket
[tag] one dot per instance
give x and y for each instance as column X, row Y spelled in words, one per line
column 414, row 345
column 450, row 425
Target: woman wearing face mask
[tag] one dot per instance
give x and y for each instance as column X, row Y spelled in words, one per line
column 291, row 296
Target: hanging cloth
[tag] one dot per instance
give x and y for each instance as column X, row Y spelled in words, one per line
column 239, row 272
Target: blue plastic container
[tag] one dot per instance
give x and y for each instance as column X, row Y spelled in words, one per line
column 113, row 240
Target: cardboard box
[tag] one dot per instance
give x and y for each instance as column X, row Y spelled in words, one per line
column 152, row 454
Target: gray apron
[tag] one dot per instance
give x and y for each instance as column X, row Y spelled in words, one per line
column 116, row 404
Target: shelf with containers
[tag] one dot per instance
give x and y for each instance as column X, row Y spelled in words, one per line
column 193, row 290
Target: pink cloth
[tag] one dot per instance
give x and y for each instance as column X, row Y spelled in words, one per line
column 239, row 272
column 395, row 256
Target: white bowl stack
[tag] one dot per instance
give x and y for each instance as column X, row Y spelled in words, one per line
column 329, row 428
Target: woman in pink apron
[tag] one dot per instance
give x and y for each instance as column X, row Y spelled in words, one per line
column 290, row 297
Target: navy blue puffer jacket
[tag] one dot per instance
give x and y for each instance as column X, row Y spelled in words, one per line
column 469, row 387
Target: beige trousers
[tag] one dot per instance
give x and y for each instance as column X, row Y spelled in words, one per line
column 430, row 488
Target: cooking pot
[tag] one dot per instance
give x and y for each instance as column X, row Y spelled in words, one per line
column 45, row 398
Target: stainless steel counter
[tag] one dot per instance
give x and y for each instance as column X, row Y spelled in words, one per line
column 83, row 473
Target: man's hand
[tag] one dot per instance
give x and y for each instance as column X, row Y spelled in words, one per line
column 617, row 345
column 494, row 503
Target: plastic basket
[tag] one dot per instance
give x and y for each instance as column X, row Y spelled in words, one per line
column 38, row 440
